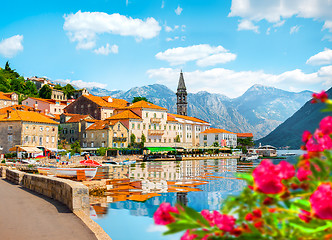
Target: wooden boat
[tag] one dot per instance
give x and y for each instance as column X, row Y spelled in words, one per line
column 90, row 173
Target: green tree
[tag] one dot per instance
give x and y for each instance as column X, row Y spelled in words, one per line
column 143, row 139
column 10, row 73
column 246, row 142
column 75, row 147
column 68, row 90
column 4, row 84
column 45, row 92
column 132, row 139
column 215, row 144
column 137, row 99
column 18, row 85
column 101, row 151
column 177, row 139
column 58, row 87
column 30, row 89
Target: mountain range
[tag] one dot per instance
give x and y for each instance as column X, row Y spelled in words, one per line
column 259, row 110
column 290, row 132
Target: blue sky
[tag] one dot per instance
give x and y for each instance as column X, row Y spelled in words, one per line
column 222, row 46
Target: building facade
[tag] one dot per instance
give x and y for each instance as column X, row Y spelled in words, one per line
column 8, row 99
column 58, row 95
column 27, row 128
column 98, row 107
column 223, row 137
column 47, row 106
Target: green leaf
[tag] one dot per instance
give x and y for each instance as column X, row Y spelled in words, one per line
column 304, row 227
column 196, row 216
column 180, row 226
column 245, row 176
column 302, row 204
column 314, row 171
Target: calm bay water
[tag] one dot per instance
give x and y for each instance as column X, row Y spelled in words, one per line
column 127, row 211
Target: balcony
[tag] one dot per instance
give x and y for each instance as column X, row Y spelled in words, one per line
column 155, row 120
column 119, row 139
column 156, row 132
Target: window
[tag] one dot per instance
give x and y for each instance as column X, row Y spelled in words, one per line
column 216, row 137
column 133, row 126
column 147, row 115
column 149, row 126
column 143, row 126
column 205, row 137
column 103, row 135
column 10, row 138
column 138, row 126
column 34, row 139
column 169, row 127
column 72, row 131
column 154, row 115
column 40, row 140
column 92, row 144
column 119, row 127
column 65, row 131
column 26, row 139
column 154, row 126
column 41, row 129
column 10, row 128
column 103, row 144
column 162, row 115
column 114, row 134
column 53, row 139
column 165, row 127
column 47, row 139
column 91, row 135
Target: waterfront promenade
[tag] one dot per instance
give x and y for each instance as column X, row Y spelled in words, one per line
column 28, row 215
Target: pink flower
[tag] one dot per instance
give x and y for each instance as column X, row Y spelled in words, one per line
column 306, row 136
column 267, row 176
column 305, row 216
column 223, row 222
column 321, row 201
column 249, row 217
column 325, row 125
column 286, row 170
column 188, row 236
column 208, row 216
column 257, row 213
column 303, row 173
column 313, row 146
column 162, row 216
column 322, row 96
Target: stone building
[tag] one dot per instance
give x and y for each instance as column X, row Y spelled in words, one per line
column 8, row 99
column 40, row 82
column 73, row 126
column 58, row 95
column 223, row 137
column 98, row 107
column 181, row 96
column 47, row 106
column 105, row 133
column 28, row 128
column 78, row 93
column 159, row 127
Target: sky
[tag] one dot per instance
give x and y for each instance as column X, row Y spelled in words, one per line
column 222, row 46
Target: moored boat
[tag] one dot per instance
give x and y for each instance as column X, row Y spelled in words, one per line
column 90, row 173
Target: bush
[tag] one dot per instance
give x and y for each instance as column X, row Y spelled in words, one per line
column 280, row 202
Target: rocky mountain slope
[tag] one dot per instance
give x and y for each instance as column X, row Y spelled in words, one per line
column 259, row 110
column 290, row 132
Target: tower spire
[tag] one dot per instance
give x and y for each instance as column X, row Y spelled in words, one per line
column 181, row 95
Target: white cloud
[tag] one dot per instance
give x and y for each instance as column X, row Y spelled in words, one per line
column 178, row 10
column 107, row 49
column 276, row 10
column 233, row 83
column 247, row 25
column 294, row 29
column 279, row 24
column 9, row 47
column 83, row 27
column 172, row 39
column 268, row 31
column 162, row 4
column 327, row 37
column 82, row 84
column 321, row 58
column 204, row 54
column 169, row 29
column 156, row 228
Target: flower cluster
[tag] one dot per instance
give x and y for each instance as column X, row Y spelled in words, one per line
column 280, row 202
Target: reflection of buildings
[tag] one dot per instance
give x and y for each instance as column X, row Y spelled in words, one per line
column 182, row 197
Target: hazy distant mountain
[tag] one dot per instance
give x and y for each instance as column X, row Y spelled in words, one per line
column 259, row 110
column 290, row 132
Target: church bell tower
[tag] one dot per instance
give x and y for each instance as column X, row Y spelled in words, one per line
column 181, row 95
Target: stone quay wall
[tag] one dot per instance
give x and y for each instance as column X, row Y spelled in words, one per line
column 74, row 195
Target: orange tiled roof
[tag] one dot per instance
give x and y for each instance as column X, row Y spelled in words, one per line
column 4, row 96
column 216, row 130
column 103, row 101
column 101, row 124
column 144, row 104
column 50, row 101
column 171, row 118
column 245, row 135
column 26, row 116
column 127, row 114
column 194, row 119
column 77, row 118
column 18, row 107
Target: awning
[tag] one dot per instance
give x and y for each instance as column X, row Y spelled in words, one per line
column 225, row 149
column 161, row 149
column 26, row 149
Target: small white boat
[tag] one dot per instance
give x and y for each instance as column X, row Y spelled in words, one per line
column 127, row 162
column 252, row 157
column 90, row 173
